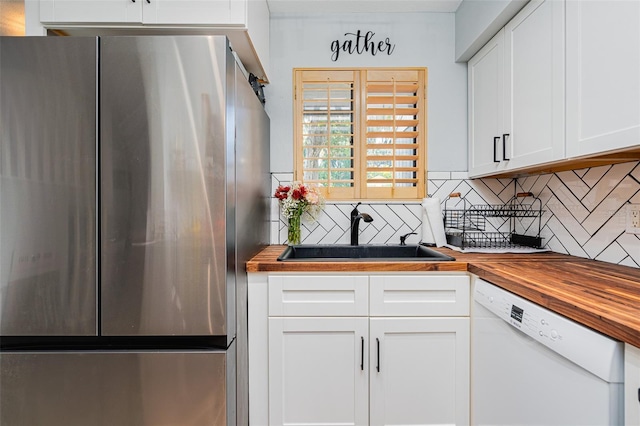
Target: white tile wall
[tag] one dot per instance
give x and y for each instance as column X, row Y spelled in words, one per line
column 584, row 211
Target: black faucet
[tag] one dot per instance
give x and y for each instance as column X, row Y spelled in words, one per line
column 355, row 223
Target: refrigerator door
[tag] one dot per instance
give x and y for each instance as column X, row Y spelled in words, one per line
column 166, row 163
column 48, row 186
column 118, row 388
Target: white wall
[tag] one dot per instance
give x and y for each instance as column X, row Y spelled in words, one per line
column 421, row 39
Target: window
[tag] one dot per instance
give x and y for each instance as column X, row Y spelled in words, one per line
column 361, row 133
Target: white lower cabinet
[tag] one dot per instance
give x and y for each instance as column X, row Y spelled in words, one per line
column 631, row 385
column 402, row 359
column 316, row 371
column 419, row 371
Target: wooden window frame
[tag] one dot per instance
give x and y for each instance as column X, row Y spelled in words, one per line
column 366, row 81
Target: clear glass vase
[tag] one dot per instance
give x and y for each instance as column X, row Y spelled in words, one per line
column 293, row 235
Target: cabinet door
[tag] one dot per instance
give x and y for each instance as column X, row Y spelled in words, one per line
column 485, row 75
column 194, row 12
column 603, row 76
column 197, row 12
column 318, row 371
column 631, row 385
column 533, row 131
column 419, row 371
column 98, row 11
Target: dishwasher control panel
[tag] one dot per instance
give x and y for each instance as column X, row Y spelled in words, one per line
column 536, row 323
column 530, row 319
column 582, row 345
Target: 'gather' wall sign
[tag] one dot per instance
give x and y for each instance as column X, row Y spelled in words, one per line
column 360, row 43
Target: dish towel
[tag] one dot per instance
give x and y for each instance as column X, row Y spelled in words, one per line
column 432, row 223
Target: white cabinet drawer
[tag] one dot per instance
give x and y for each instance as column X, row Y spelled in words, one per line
column 415, row 295
column 318, row 295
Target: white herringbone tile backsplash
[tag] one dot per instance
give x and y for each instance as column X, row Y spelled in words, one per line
column 584, row 211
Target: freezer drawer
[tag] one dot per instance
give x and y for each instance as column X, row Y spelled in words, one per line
column 117, row 388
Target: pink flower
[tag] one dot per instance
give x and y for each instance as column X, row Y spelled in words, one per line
column 312, row 197
column 299, row 198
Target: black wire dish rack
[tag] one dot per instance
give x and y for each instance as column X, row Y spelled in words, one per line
column 499, row 226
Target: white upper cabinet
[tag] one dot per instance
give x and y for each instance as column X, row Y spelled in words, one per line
column 533, row 131
column 567, row 87
column 603, row 76
column 73, row 11
column 143, row 11
column 486, row 103
column 193, row 12
column 244, row 22
column 516, row 93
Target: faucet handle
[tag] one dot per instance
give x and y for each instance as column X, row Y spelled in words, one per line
column 404, row 237
column 355, row 211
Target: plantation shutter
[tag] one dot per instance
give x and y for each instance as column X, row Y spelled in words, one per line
column 394, row 136
column 361, row 133
column 325, row 107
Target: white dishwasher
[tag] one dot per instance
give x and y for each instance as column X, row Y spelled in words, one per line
column 530, row 366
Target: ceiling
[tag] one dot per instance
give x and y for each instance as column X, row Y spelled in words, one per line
column 352, row 6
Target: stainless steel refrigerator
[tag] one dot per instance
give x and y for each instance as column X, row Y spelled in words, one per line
column 134, row 186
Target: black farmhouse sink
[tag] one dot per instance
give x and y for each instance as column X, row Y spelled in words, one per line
column 363, row 253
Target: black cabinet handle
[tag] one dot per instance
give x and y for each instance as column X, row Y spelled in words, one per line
column 495, row 149
column 378, row 345
column 362, row 353
column 149, row 1
column 504, row 146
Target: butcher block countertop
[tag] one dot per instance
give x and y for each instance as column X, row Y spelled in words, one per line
column 600, row 295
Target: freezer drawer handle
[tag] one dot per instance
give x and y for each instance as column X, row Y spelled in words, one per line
column 362, row 353
column 378, row 345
